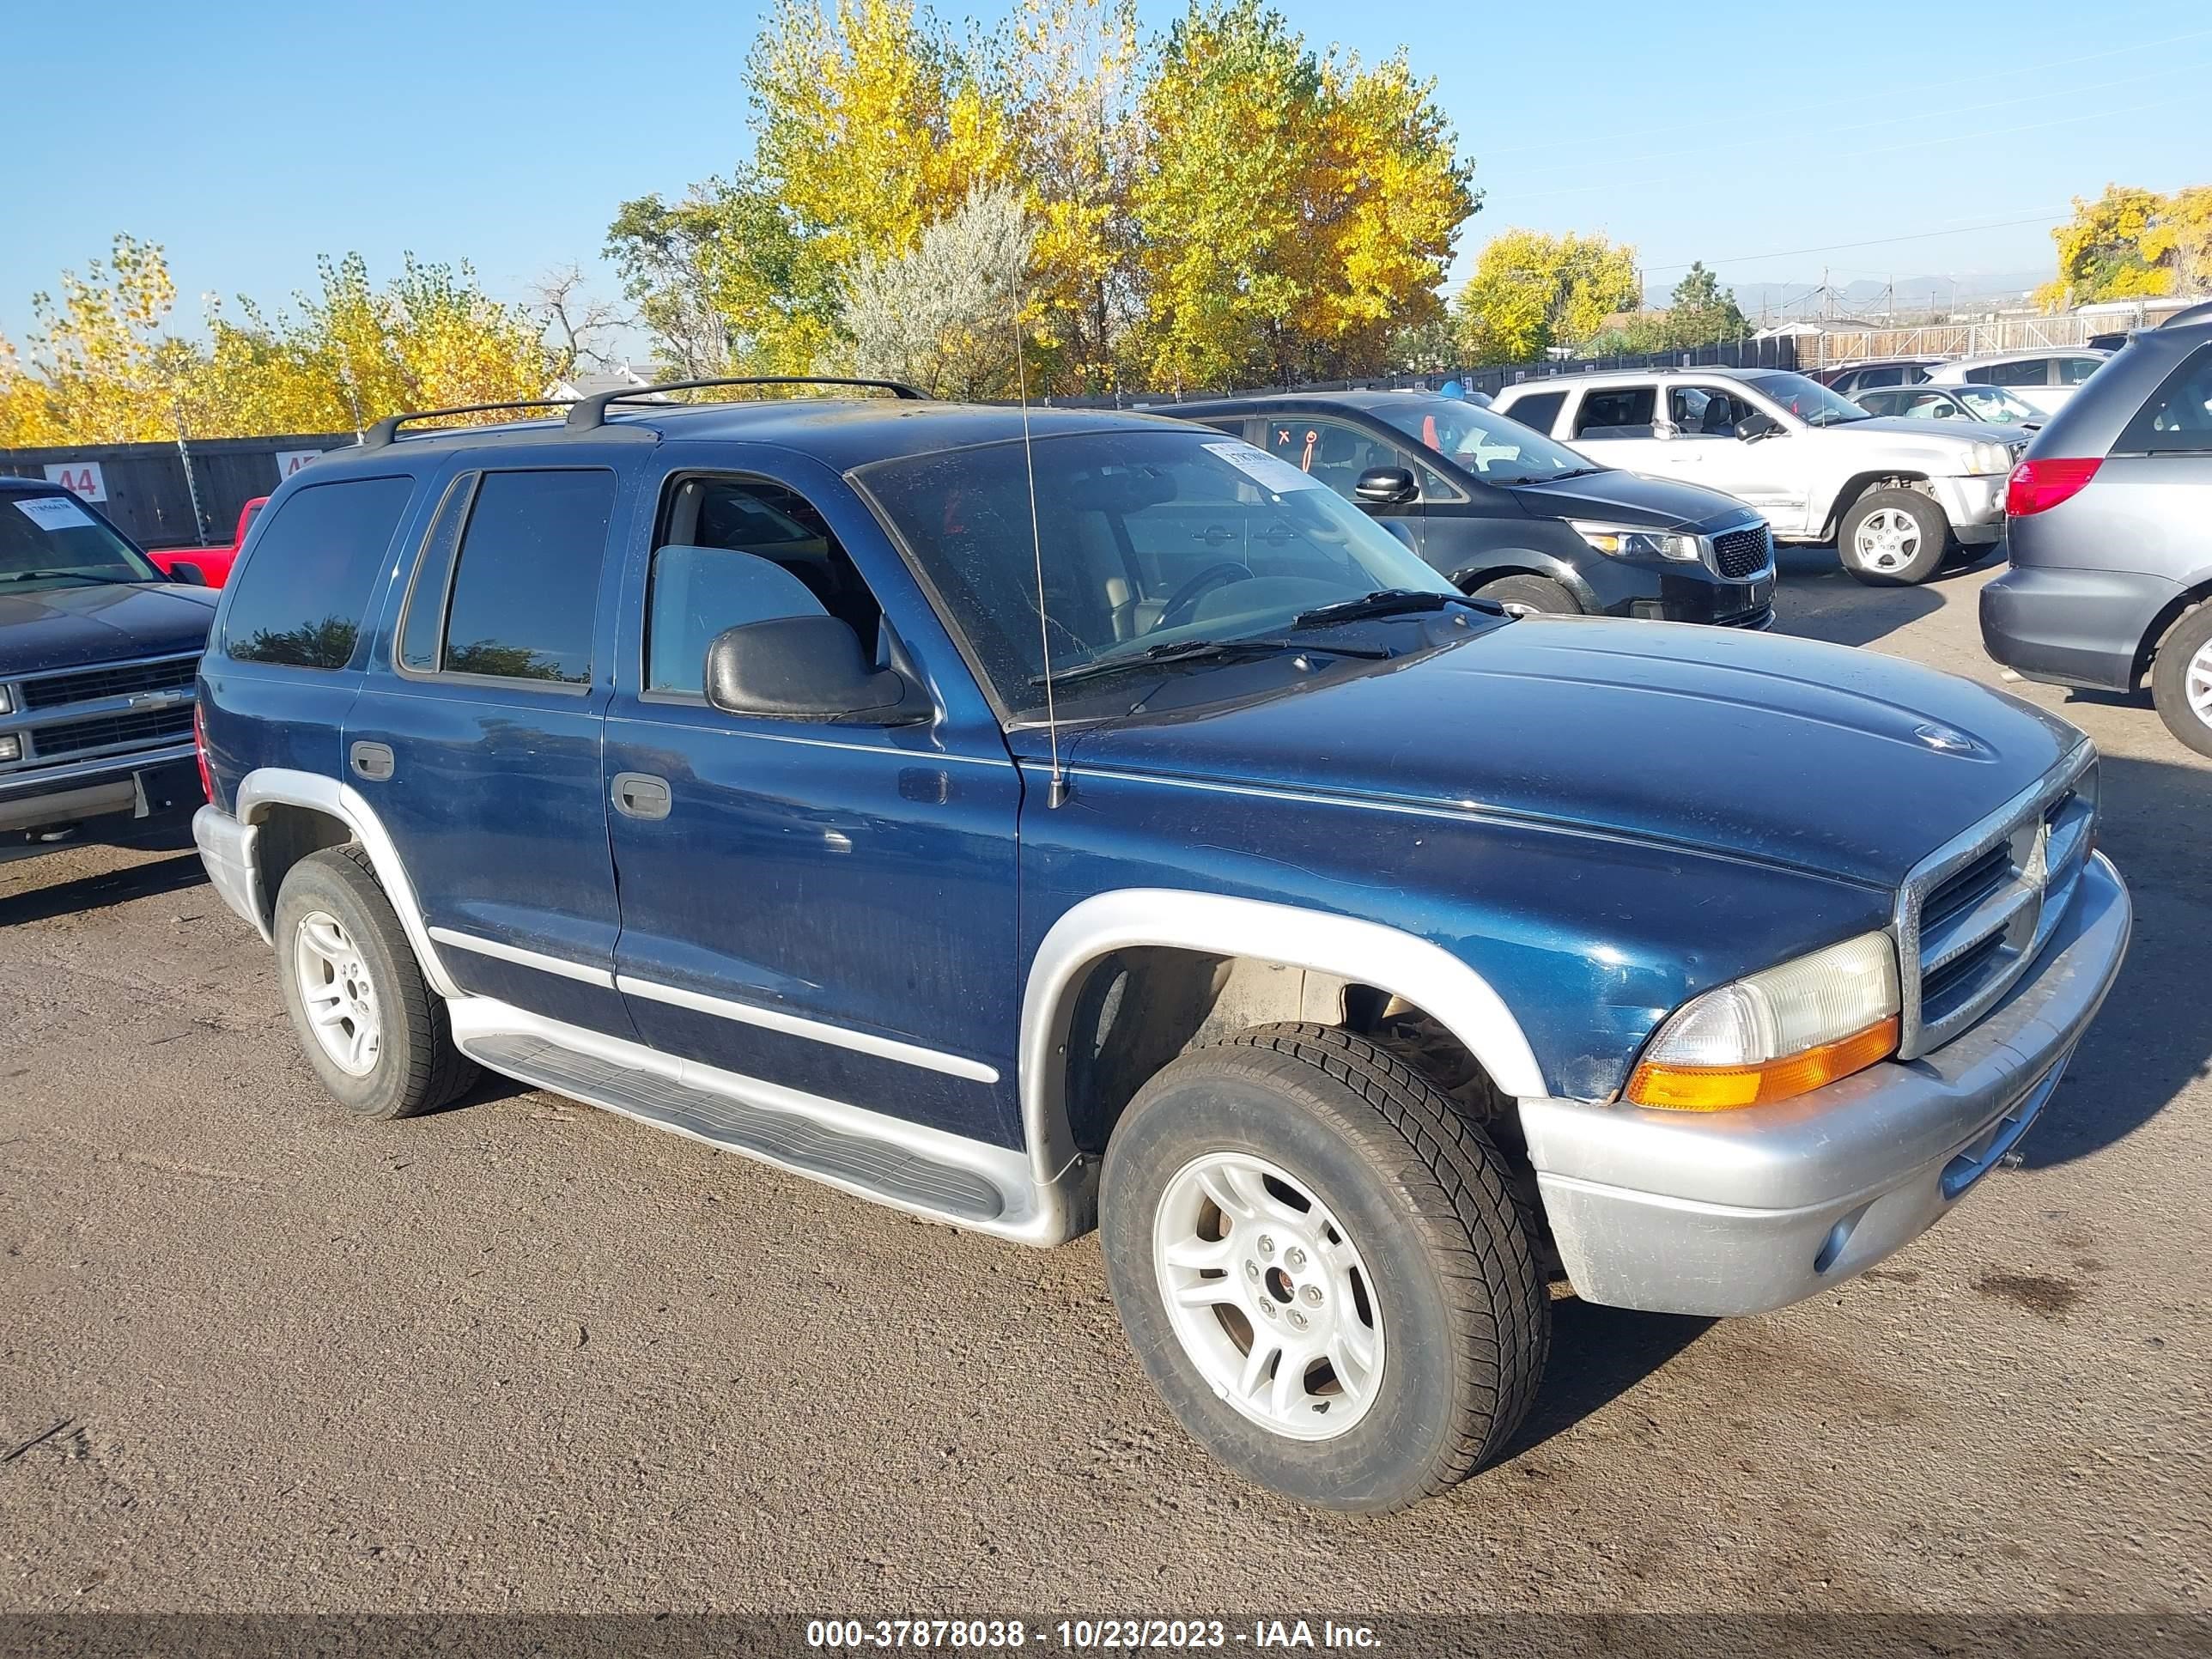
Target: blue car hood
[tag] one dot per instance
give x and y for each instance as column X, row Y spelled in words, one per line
column 1788, row 751
column 77, row 626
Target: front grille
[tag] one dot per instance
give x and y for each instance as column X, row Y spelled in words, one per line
column 89, row 685
column 153, row 727
column 1741, row 553
column 1971, row 917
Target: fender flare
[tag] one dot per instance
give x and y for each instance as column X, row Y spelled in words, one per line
column 273, row 786
column 1391, row 960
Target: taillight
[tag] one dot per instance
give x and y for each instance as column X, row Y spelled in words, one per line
column 2038, row 486
column 199, row 750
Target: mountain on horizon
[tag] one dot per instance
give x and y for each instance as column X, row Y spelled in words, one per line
column 1777, row 301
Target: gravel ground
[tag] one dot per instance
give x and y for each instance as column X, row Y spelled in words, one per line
column 524, row 1355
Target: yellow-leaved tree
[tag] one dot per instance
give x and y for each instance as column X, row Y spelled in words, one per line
column 100, row 369
column 1531, row 291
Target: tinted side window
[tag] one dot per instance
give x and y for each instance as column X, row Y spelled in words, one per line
column 1893, row 375
column 527, row 584
column 300, row 596
column 2036, row 371
column 1540, row 411
column 2072, row 371
column 1617, row 412
column 1332, row 451
column 698, row 592
column 2178, row 415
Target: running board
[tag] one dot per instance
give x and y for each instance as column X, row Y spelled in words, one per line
column 924, row 1171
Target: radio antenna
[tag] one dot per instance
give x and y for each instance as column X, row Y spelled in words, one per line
column 1057, row 793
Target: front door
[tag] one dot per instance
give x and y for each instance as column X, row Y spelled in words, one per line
column 1336, row 452
column 478, row 743
column 828, row 909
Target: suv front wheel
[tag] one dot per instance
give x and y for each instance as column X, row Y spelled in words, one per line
column 1892, row 537
column 1323, row 1268
column 374, row 1029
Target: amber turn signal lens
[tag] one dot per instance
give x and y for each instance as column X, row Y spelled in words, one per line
column 1724, row 1088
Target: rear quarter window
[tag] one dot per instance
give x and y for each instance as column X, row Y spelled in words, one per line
column 2177, row 418
column 1540, row 411
column 300, row 598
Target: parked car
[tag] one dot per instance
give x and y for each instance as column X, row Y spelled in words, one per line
column 1849, row 379
column 2046, row 378
column 1510, row 515
column 2111, row 535
column 1893, row 495
column 213, row 564
column 1094, row 816
column 1962, row 405
column 98, row 653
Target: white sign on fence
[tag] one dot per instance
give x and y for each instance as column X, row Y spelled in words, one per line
column 80, row 478
column 289, row 461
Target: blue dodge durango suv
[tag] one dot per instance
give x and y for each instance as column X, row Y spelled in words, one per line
column 1042, row 820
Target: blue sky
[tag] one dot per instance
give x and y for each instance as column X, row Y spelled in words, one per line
column 248, row 139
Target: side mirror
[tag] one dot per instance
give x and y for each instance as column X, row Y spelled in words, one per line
column 1385, row 486
column 187, row 572
column 1753, row 427
column 807, row 668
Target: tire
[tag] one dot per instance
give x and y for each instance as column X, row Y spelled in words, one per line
column 385, row 1048
column 1892, row 537
column 1537, row 593
column 1409, row 1258
column 2181, row 680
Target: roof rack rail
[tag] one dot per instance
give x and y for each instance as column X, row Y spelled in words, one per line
column 385, row 430
column 591, row 412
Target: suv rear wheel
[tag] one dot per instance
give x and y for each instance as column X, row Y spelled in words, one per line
column 1323, row 1268
column 2181, row 680
column 375, row 1032
column 1892, row 537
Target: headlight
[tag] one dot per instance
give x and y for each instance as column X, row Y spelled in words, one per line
column 7, row 701
column 1775, row 1035
column 1621, row 541
column 1989, row 458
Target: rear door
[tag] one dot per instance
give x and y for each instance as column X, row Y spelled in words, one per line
column 1618, row 426
column 479, row 741
column 2157, row 479
column 1337, row 452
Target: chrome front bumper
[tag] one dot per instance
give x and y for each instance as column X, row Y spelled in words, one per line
column 1734, row 1212
column 226, row 850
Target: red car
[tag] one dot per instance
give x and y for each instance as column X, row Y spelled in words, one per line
column 212, row 562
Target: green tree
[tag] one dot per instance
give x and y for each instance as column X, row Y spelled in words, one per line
column 1531, row 291
column 1703, row 313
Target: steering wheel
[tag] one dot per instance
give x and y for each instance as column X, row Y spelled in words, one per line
column 1187, row 597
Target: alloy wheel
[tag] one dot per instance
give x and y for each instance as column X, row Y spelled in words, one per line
column 1887, row 540
column 1269, row 1295
column 337, row 994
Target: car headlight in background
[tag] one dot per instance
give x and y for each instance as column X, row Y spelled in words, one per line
column 11, row 747
column 1777, row 1034
column 1989, row 458
column 7, row 701
column 1622, row 541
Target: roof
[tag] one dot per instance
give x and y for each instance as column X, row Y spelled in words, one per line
column 840, row 432
column 2027, row 354
column 1246, row 402
column 1637, row 376
column 14, row 485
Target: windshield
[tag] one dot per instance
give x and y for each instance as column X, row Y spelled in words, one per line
column 1809, row 400
column 1995, row 405
column 1494, row 447
column 50, row 540
column 1147, row 539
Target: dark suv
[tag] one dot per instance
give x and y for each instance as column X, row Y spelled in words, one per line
column 1032, row 820
column 1511, row 515
column 2110, row 523
column 98, row 653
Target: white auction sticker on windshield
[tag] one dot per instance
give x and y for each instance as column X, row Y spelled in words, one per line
column 53, row 512
column 1264, row 469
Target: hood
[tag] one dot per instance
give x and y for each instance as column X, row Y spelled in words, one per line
column 1626, row 498
column 1788, row 751
column 1937, row 442
column 76, row 627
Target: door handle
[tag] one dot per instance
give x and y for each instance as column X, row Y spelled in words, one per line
column 372, row 761
column 640, row 795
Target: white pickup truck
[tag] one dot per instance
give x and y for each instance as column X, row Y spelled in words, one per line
column 1893, row 494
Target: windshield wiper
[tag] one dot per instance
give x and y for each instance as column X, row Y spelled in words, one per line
column 1177, row 651
column 81, row 575
column 1388, row 602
